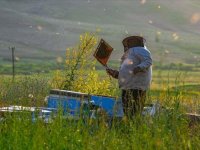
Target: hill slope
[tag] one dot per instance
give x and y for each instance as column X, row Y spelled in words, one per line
column 45, row 28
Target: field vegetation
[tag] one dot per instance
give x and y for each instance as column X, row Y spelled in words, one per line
column 176, row 89
column 40, row 31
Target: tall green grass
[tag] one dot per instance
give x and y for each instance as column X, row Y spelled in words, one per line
column 168, row 130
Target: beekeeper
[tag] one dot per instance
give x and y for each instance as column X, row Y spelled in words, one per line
column 134, row 75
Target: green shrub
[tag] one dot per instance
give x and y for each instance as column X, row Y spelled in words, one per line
column 81, row 74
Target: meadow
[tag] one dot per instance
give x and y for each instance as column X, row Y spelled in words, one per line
column 166, row 130
column 174, row 88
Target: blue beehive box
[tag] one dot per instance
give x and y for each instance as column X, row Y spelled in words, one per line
column 71, row 102
column 112, row 106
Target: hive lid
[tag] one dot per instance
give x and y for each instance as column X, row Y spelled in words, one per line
column 68, row 93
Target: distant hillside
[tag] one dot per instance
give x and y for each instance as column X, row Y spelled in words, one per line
column 45, row 28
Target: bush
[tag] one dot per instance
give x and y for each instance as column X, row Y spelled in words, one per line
column 80, row 73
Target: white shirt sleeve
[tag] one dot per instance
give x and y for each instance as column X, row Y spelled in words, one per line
column 145, row 58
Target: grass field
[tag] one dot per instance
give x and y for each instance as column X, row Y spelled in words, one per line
column 174, row 86
column 167, row 130
column 42, row 30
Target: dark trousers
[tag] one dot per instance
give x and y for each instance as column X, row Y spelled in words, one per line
column 133, row 101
